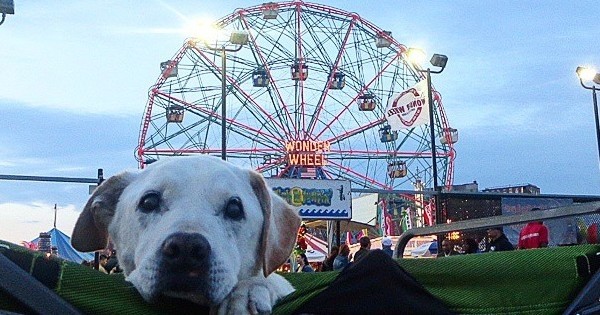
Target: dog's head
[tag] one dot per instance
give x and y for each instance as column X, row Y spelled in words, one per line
column 189, row 226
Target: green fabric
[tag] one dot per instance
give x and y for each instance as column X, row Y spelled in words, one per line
column 541, row 281
column 307, row 285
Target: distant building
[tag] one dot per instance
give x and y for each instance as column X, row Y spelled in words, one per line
column 474, row 206
column 515, row 189
column 469, row 187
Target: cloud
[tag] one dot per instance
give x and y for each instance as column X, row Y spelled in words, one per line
column 24, row 221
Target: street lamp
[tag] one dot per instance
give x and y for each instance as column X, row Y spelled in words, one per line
column 588, row 74
column 416, row 56
column 6, row 7
column 239, row 39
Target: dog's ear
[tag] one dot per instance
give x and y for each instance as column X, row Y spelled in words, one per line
column 280, row 226
column 91, row 230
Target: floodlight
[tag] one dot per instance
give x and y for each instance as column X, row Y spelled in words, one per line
column 415, row 55
column 7, row 7
column 585, row 73
column 439, row 60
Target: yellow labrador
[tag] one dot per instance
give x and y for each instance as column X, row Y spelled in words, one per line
column 194, row 227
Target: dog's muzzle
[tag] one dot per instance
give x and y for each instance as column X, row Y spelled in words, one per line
column 185, row 260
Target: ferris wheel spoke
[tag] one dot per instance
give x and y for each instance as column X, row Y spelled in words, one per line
column 211, row 114
column 340, row 54
column 238, row 89
column 258, row 118
column 271, row 164
column 316, row 51
column 262, row 60
column 347, row 172
column 345, row 108
column 248, row 132
column 351, row 133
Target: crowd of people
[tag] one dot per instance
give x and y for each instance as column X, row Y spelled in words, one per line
column 533, row 235
column 339, row 256
column 107, row 263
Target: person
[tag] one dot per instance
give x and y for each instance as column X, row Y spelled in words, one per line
column 102, row 265
column 447, row 249
column 470, row 246
column 497, row 240
column 303, row 264
column 342, row 260
column 112, row 265
column 386, row 246
column 327, row 264
column 365, row 246
column 533, row 235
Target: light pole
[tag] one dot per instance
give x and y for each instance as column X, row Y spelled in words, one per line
column 439, row 61
column 238, row 38
column 587, row 74
column 6, row 7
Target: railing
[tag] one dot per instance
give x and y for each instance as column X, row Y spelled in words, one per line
column 483, row 223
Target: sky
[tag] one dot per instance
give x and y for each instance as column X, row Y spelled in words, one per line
column 74, row 79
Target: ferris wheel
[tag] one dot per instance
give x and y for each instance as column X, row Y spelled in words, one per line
column 305, row 98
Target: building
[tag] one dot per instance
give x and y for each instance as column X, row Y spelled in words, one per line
column 469, row 187
column 515, row 189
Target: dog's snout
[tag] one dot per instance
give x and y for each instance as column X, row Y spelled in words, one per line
column 189, row 250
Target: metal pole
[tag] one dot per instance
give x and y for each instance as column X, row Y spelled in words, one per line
column 338, row 234
column 223, row 106
column 97, row 253
column 438, row 214
column 597, row 122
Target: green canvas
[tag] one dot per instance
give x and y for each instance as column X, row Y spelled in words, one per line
column 543, row 281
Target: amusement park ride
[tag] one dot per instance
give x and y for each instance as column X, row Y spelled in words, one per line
column 306, row 98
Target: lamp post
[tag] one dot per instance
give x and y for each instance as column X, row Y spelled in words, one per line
column 587, row 74
column 6, row 7
column 238, row 38
column 439, row 61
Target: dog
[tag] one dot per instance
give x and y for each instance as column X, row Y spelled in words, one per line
column 197, row 228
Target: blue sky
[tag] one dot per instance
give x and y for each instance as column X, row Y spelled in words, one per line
column 74, row 80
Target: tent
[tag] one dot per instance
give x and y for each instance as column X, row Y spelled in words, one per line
column 63, row 244
column 314, row 256
column 317, row 248
column 426, row 250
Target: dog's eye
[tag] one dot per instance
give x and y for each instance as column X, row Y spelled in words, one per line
column 150, row 202
column 234, row 209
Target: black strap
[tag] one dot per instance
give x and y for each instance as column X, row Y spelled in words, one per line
column 27, row 290
column 587, row 301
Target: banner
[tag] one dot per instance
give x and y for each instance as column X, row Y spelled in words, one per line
column 325, row 199
column 409, row 108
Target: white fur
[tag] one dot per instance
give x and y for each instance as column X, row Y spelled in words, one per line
column 193, row 193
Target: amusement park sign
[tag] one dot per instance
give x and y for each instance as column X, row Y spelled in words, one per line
column 408, row 108
column 307, row 152
column 316, row 198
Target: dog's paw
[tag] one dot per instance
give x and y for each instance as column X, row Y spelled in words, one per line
column 256, row 295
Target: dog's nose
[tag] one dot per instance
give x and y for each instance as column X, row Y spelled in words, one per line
column 186, row 250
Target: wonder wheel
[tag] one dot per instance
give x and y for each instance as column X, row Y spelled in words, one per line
column 305, row 97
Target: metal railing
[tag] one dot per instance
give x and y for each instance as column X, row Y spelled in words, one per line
column 484, row 223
